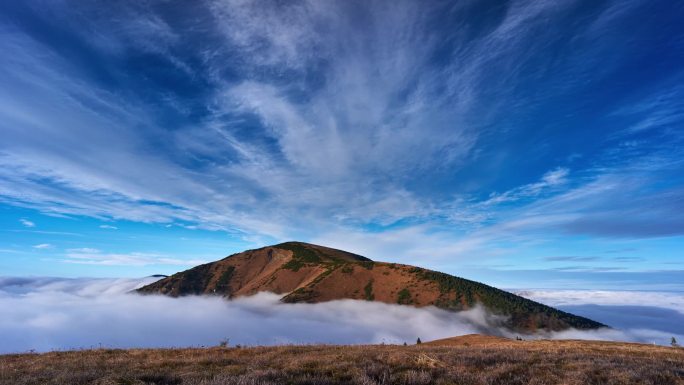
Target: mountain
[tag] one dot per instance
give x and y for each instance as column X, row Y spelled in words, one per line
column 309, row 273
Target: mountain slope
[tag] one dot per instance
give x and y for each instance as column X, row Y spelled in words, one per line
column 310, row 273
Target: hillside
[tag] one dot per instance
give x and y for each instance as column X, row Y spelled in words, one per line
column 509, row 362
column 472, row 340
column 304, row 272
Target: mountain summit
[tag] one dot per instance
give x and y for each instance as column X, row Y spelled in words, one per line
column 304, row 272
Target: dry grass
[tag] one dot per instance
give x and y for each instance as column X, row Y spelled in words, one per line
column 507, row 362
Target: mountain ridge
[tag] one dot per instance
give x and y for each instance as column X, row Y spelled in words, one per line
column 308, row 273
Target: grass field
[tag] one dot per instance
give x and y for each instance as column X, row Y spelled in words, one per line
column 463, row 361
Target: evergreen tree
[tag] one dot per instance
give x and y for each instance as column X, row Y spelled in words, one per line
column 674, row 343
column 419, row 341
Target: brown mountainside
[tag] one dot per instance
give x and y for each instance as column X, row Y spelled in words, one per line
column 304, row 272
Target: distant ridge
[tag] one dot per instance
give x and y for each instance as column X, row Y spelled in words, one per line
column 304, row 272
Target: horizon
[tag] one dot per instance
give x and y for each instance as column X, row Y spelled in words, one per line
column 526, row 145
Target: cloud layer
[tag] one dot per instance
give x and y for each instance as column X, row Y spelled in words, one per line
column 51, row 313
column 657, row 311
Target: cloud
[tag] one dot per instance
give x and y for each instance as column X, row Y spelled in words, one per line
column 550, row 179
column 43, row 246
column 80, row 287
column 109, row 227
column 627, row 317
column 669, row 300
column 55, row 313
column 653, row 313
column 346, row 152
column 617, row 203
column 312, row 119
column 58, row 314
column 306, row 136
column 90, row 256
column 27, row 223
column 590, row 269
column 661, row 111
column 571, row 258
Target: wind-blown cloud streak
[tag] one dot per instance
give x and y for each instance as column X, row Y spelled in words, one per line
column 53, row 313
column 345, row 140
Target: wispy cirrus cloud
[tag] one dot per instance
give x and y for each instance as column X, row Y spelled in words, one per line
column 571, row 258
column 367, row 123
column 347, row 121
column 551, row 179
column 90, row 256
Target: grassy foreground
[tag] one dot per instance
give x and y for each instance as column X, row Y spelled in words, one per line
column 455, row 361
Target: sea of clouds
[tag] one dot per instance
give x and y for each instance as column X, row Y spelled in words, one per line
column 44, row 314
column 646, row 313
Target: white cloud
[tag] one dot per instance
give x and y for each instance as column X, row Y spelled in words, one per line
column 59, row 314
column 53, row 313
column 27, row 223
column 669, row 300
column 364, row 118
column 273, row 34
column 89, row 256
column 80, row 287
column 341, row 146
column 549, row 180
column 109, row 227
column 555, row 177
column 43, row 246
column 650, row 315
column 84, row 250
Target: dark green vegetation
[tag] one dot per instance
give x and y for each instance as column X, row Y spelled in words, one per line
column 404, row 297
column 460, row 294
column 301, row 252
column 190, row 282
column 196, row 279
column 368, row 291
column 304, row 255
column 511, row 363
column 308, row 253
column 224, row 280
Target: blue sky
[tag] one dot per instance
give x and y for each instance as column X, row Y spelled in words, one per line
column 520, row 143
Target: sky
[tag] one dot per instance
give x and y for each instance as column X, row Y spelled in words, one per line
column 524, row 144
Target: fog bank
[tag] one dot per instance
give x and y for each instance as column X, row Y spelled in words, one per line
column 45, row 314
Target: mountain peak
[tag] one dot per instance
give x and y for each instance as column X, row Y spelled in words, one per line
column 304, row 272
column 311, row 251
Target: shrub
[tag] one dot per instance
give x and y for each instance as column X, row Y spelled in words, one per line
column 368, row 290
column 404, row 297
